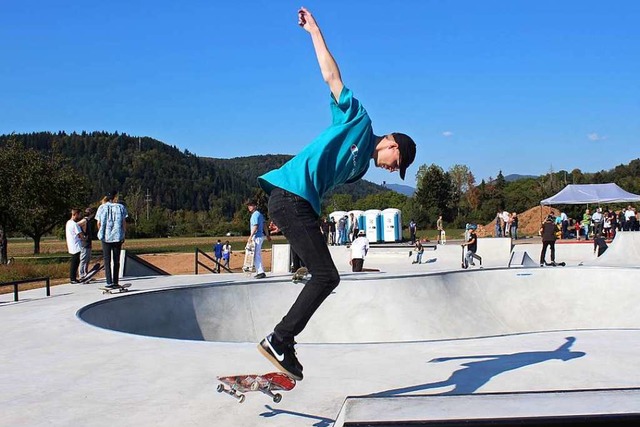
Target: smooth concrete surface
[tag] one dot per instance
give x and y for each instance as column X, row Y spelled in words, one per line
column 490, row 330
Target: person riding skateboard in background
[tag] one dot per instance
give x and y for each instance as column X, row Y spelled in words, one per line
column 472, row 248
column 548, row 233
column 339, row 155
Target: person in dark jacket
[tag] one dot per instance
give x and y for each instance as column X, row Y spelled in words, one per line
column 548, row 232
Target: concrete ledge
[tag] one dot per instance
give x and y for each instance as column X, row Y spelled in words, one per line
column 572, row 407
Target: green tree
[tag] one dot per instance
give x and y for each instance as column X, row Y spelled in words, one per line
column 41, row 190
column 433, row 194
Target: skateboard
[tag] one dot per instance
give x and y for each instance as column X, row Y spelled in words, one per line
column 249, row 254
column 300, row 275
column 92, row 272
column 121, row 288
column 555, row 264
column 266, row 383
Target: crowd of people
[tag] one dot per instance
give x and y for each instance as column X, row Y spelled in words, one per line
column 506, row 224
column 341, row 232
column 605, row 222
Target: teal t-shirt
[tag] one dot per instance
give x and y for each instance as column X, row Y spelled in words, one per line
column 339, row 155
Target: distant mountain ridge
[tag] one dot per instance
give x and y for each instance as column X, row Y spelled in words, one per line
column 400, row 188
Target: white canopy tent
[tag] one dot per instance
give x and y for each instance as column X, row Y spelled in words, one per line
column 581, row 194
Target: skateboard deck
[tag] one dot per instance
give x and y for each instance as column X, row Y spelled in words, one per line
column 555, row 264
column 237, row 385
column 464, row 260
column 121, row 288
column 92, row 272
column 249, row 255
column 300, row 275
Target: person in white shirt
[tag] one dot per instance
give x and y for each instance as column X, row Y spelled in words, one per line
column 74, row 236
column 506, row 220
column 359, row 249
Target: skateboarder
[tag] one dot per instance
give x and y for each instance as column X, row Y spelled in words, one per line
column 548, row 233
column 341, row 154
column 472, row 248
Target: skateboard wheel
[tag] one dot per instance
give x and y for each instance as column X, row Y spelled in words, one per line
column 220, row 388
column 241, row 398
column 255, row 386
column 277, row 398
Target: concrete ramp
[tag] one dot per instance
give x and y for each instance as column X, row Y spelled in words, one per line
column 610, row 407
column 521, row 259
column 134, row 266
column 624, row 251
column 366, row 309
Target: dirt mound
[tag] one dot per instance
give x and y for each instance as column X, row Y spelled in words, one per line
column 528, row 222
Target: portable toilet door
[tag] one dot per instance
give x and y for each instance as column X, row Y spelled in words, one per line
column 373, row 227
column 392, row 220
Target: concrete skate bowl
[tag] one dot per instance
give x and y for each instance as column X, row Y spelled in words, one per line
column 443, row 306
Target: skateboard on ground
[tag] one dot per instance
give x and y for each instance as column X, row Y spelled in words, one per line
column 92, row 272
column 249, row 255
column 301, row 275
column 121, row 288
column 236, row 385
column 555, row 264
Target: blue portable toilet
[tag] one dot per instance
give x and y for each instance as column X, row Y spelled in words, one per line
column 392, row 220
column 373, row 219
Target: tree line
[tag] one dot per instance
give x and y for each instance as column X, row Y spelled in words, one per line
column 169, row 192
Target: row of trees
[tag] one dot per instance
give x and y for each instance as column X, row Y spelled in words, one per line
column 39, row 185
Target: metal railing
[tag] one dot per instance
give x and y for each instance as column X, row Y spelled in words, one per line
column 15, row 284
column 216, row 263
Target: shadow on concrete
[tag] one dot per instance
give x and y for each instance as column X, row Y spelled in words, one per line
column 475, row 374
column 321, row 421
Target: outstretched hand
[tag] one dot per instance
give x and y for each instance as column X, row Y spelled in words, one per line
column 306, row 20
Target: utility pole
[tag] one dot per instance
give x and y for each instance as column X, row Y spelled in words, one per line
column 148, row 200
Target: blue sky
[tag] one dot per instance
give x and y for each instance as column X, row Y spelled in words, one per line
column 518, row 86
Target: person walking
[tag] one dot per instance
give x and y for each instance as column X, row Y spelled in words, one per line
column 359, row 250
column 341, row 154
column 257, row 236
column 111, row 217
column 217, row 253
column 226, row 254
column 548, row 232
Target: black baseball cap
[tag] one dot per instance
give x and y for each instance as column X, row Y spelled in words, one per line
column 407, row 148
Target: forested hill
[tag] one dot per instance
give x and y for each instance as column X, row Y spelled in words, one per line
column 176, row 180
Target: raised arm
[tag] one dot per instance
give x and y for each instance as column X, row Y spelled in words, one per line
column 328, row 65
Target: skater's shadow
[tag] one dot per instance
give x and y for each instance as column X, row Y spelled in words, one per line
column 322, row 422
column 474, row 375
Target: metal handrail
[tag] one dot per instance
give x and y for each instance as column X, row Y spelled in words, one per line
column 15, row 284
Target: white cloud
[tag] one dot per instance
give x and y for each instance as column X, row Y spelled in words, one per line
column 595, row 137
column 447, row 133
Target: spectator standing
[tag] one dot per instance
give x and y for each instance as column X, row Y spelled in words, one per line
column 548, row 233
column 514, row 226
column 111, row 217
column 412, row 231
column 217, row 253
column 586, row 223
column 332, row 231
column 498, row 228
column 257, row 236
column 440, row 230
column 506, row 223
column 86, row 224
column 74, row 236
column 565, row 225
column 359, row 250
column 630, row 219
column 597, row 220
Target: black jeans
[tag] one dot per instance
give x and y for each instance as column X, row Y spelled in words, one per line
column 73, row 267
column 297, row 220
column 111, row 251
column 543, row 254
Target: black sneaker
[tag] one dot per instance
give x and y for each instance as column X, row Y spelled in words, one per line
column 282, row 355
column 260, row 276
column 113, row 286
